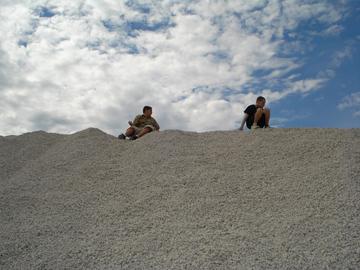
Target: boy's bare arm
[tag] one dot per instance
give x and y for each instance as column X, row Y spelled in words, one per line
column 243, row 121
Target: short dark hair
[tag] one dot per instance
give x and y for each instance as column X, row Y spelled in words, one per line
column 260, row 98
column 146, row 108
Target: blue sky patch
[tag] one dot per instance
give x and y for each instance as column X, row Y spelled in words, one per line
column 139, row 7
column 145, row 26
column 44, row 12
column 22, row 43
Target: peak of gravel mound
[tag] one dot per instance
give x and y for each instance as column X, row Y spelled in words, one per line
column 273, row 199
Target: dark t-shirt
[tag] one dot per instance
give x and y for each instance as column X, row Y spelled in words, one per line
column 251, row 110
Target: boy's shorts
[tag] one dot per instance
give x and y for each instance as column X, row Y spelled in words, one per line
column 138, row 130
column 261, row 123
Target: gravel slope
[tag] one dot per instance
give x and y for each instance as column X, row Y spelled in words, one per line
column 264, row 199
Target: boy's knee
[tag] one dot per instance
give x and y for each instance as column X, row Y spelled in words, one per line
column 130, row 131
column 266, row 110
column 259, row 110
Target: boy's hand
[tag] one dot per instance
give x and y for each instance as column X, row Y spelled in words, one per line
column 131, row 123
column 240, row 129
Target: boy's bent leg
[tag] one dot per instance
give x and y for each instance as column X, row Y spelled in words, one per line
column 266, row 111
column 129, row 132
column 144, row 131
column 258, row 115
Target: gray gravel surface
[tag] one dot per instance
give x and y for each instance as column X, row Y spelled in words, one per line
column 263, row 199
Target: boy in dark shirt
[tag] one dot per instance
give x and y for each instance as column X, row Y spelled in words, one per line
column 256, row 116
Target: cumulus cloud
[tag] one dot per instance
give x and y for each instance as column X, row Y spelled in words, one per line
column 69, row 65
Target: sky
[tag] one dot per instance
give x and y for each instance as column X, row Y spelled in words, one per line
column 67, row 65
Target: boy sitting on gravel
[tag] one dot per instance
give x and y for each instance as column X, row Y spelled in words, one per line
column 142, row 124
column 256, row 116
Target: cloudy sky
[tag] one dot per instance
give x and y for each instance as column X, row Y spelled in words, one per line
column 66, row 65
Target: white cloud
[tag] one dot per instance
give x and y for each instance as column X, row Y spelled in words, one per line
column 339, row 56
column 296, row 11
column 333, row 30
column 307, row 85
column 97, row 64
column 329, row 73
column 349, row 101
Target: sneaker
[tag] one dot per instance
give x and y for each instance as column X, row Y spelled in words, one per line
column 134, row 138
column 255, row 127
column 268, row 127
column 122, row 136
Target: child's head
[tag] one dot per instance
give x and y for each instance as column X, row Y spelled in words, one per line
column 260, row 102
column 147, row 111
column 146, row 108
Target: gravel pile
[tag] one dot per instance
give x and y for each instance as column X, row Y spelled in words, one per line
column 264, row 199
